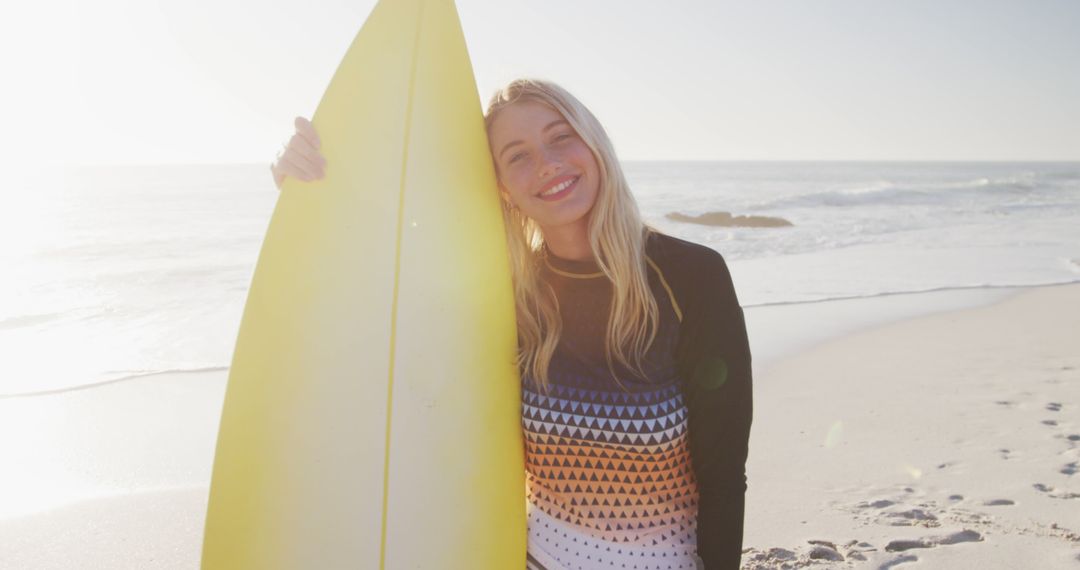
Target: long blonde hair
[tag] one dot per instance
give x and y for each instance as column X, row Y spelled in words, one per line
column 616, row 236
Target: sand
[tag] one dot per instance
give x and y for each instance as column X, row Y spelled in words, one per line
column 961, row 428
column 110, row 477
column 948, row 440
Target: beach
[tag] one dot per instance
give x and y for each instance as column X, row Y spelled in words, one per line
column 894, row 189
column 944, row 441
column 937, row 438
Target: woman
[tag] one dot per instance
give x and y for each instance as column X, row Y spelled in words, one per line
column 635, row 366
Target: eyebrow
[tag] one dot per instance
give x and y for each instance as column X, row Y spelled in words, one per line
column 549, row 126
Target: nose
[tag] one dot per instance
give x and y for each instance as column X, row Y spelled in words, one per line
column 550, row 164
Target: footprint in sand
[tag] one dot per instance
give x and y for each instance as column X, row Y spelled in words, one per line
column 1073, row 437
column 898, row 561
column 1054, row 493
column 965, row 517
column 1053, row 407
column 999, row 502
column 1050, row 422
column 754, row 559
column 932, row 541
column 819, row 552
column 1006, row 403
column 1071, row 468
column 912, row 517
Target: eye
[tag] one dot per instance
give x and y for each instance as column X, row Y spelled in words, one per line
column 563, row 136
column 515, row 157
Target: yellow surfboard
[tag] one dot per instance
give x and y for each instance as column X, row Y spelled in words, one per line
column 372, row 415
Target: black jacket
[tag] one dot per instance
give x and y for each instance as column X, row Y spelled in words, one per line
column 714, row 361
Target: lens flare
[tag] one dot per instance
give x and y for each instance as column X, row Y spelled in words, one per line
column 832, row 438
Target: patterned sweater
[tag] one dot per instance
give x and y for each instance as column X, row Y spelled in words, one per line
column 611, row 482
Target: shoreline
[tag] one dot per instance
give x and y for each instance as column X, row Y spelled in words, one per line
column 131, row 460
column 768, row 345
column 779, row 331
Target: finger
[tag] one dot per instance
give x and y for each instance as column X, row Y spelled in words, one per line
column 301, row 145
column 293, row 165
column 307, row 130
column 309, row 165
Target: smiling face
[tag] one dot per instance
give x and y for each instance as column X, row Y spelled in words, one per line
column 544, row 167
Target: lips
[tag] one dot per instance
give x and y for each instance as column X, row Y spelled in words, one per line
column 559, row 188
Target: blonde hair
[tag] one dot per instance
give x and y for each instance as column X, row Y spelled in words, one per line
column 616, row 236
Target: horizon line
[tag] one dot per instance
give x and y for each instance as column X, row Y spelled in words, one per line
column 266, row 164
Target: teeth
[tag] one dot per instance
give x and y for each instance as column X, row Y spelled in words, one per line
column 558, row 188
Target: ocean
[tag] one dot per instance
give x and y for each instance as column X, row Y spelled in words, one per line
column 112, row 272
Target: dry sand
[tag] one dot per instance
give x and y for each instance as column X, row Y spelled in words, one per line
column 945, row 441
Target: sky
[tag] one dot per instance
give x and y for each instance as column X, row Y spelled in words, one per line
column 195, row 81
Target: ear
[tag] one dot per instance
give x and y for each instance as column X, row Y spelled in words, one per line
column 505, row 195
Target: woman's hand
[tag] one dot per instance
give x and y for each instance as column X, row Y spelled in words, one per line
column 300, row 158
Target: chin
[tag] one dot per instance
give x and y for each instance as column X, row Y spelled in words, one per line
column 560, row 221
